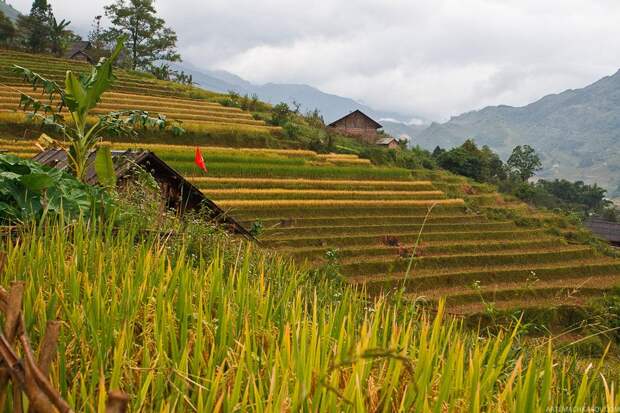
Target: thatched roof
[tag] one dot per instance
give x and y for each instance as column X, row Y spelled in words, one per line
column 387, row 141
column 79, row 48
column 179, row 193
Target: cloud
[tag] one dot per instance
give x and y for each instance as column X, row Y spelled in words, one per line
column 431, row 58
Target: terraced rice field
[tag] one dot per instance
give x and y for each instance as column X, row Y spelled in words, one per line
column 374, row 219
column 130, row 91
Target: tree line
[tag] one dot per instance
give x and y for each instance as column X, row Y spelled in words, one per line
column 514, row 177
column 151, row 44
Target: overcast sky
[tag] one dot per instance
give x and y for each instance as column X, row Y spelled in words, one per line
column 433, row 58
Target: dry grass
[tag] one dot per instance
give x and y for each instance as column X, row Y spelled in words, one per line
column 320, row 192
column 352, row 182
column 343, row 203
column 214, row 149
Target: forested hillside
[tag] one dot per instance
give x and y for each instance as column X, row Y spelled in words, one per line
column 577, row 132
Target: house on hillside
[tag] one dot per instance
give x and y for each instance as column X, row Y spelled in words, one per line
column 176, row 192
column 358, row 124
column 606, row 230
column 389, row 142
column 80, row 50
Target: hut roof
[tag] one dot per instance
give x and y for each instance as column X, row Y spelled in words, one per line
column 78, row 48
column 182, row 195
column 386, row 141
column 371, row 120
column 609, row 231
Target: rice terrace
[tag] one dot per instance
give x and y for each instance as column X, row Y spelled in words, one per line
column 176, row 238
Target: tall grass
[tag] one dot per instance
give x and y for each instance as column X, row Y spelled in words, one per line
column 185, row 327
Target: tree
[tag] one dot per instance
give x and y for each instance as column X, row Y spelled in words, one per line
column 7, row 29
column 58, row 35
column 437, row 152
column 96, row 36
column 483, row 165
column 280, row 114
column 35, row 28
column 80, row 95
column 150, row 40
column 524, row 162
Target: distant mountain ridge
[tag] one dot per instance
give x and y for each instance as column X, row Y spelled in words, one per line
column 8, row 10
column 577, row 132
column 331, row 106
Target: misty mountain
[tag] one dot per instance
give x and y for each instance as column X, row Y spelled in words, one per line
column 9, row 11
column 577, row 132
column 331, row 106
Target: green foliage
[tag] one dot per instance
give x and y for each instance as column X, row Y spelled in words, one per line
column 257, row 228
column 30, row 191
column 80, row 95
column 315, row 119
column 96, row 36
column 483, row 165
column 7, row 29
column 414, row 158
column 104, row 167
column 524, row 162
column 58, row 34
column 589, row 197
column 150, row 41
column 280, row 114
column 34, row 28
column 560, row 194
column 223, row 327
column 40, row 31
column 608, row 308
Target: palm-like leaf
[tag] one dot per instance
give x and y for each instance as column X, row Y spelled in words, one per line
column 83, row 94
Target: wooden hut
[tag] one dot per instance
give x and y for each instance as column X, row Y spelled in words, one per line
column 606, row 230
column 80, row 50
column 177, row 192
column 359, row 125
column 389, row 142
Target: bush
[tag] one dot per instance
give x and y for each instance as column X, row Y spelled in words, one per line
column 414, row 158
column 483, row 165
column 280, row 114
column 29, row 190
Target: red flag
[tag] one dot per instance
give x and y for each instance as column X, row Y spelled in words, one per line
column 199, row 161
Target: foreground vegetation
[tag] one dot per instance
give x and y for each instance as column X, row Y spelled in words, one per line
column 189, row 323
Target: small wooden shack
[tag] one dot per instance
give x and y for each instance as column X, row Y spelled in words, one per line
column 389, row 142
column 80, row 50
column 177, row 192
column 359, row 125
column 606, row 230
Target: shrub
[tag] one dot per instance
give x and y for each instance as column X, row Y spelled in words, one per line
column 280, row 114
column 483, row 165
column 414, row 158
column 29, row 190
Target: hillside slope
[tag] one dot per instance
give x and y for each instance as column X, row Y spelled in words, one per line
column 197, row 109
column 577, row 132
column 371, row 222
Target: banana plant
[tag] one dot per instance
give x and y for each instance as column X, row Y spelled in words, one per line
column 83, row 131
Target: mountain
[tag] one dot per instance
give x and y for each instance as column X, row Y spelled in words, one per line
column 9, row 11
column 576, row 132
column 331, row 106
